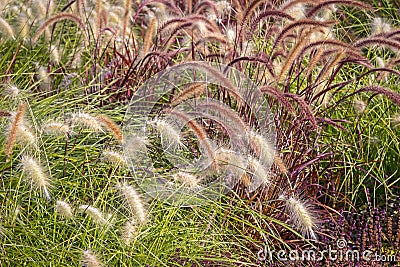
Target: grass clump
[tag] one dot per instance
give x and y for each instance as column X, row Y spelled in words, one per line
column 327, row 69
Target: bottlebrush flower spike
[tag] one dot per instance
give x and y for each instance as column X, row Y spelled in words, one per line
column 135, row 149
column 192, row 89
column 263, row 149
column 55, row 128
column 380, row 26
column 64, row 209
column 110, row 125
column 6, row 28
column 149, row 36
column 129, row 231
column 133, row 201
column 295, row 8
column 280, row 164
column 169, row 135
column 114, row 158
column 233, row 165
column 260, row 175
column 12, row 135
column 301, row 216
column 36, row 175
column 87, row 120
column 23, row 133
column 231, row 160
column 186, row 179
column 395, row 121
column 359, row 106
column 95, row 214
column 90, row 259
column 25, row 136
column 43, row 76
column 11, row 90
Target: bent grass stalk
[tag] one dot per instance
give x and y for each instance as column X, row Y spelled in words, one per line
column 199, row 132
column 57, row 18
column 193, row 89
column 6, row 28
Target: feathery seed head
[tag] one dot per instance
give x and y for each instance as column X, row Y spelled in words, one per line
column 263, row 149
column 167, row 132
column 43, row 76
column 380, row 25
column 321, row 35
column 16, row 120
column 90, row 259
column 129, row 232
column 114, row 158
column 95, row 214
column 87, row 120
column 301, row 216
column 395, row 121
column 260, row 176
column 224, row 155
column 297, row 11
column 326, row 13
column 55, row 128
column 110, row 125
column 380, row 63
column 36, row 175
column 186, row 179
column 231, row 35
column 280, row 164
column 64, row 209
column 223, row 7
column 231, row 160
column 23, row 25
column 232, row 164
column 11, row 90
column 135, row 149
column 133, row 201
column 25, row 135
column 5, row 27
column 359, row 106
column 39, row 9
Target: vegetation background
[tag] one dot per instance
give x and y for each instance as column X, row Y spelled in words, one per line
column 328, row 69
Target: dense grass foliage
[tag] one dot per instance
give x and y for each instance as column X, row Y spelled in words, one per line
column 328, row 69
